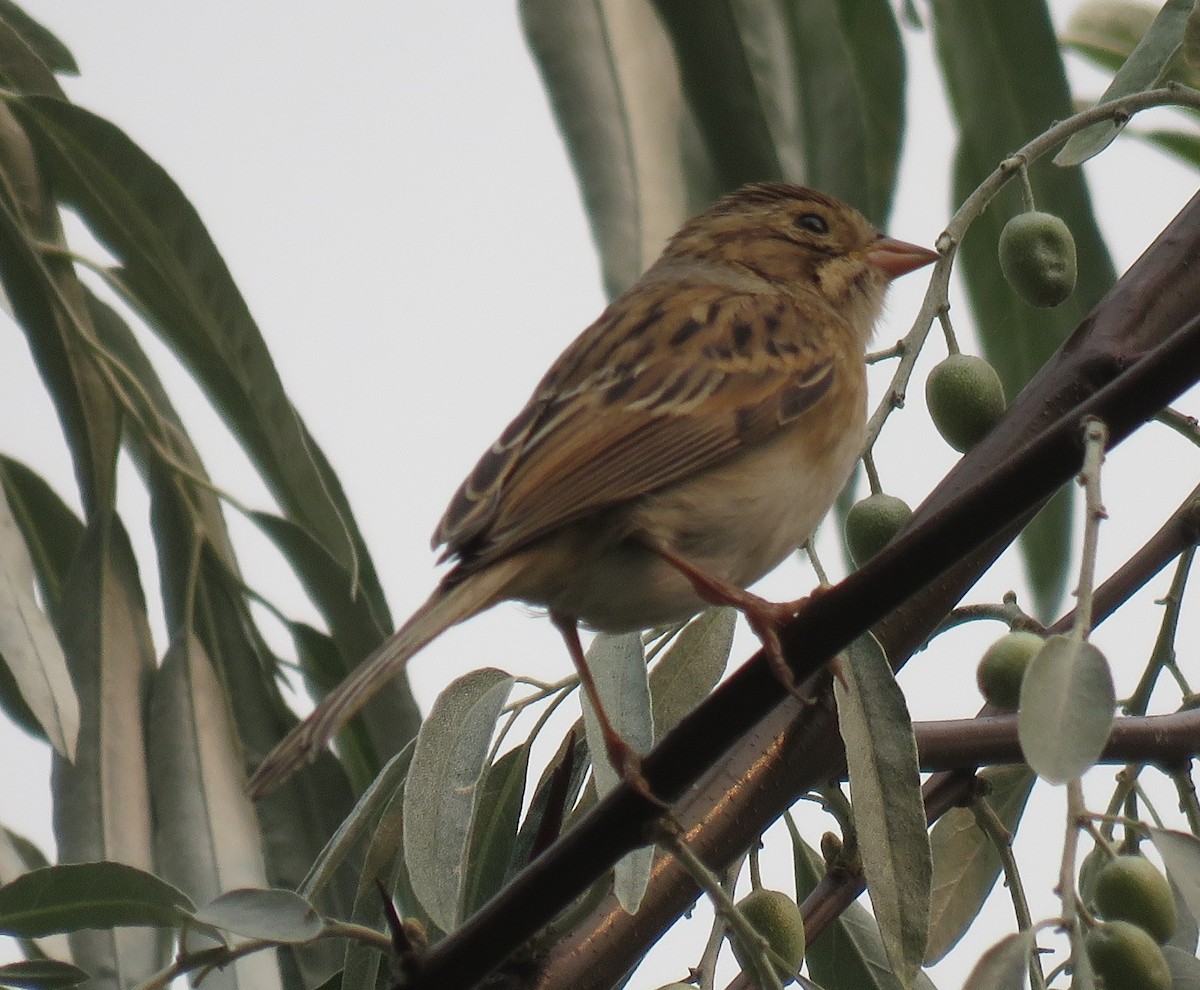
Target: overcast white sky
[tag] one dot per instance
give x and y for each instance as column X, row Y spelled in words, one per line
column 387, row 186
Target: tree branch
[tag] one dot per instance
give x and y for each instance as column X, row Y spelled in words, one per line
column 1138, row 349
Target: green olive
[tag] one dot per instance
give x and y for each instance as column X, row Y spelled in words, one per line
column 1126, row 958
column 1037, row 256
column 776, row 918
column 965, row 399
column 871, row 524
column 1002, row 668
column 1131, row 888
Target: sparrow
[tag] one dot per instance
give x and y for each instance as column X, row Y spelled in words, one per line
column 681, row 447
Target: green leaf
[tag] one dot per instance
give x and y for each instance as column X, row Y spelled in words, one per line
column 49, row 49
column 22, row 68
column 618, row 666
column 615, row 91
column 391, row 718
column 555, row 795
column 383, row 860
column 691, row 667
column 1066, row 712
column 29, row 649
column 1184, row 966
column 88, row 895
column 1184, row 146
column 885, row 785
column 738, row 80
column 966, row 862
column 1005, row 966
column 1003, row 72
column 189, row 529
column 1146, row 66
column 207, row 835
column 41, row 974
column 1107, row 33
column 848, row 57
column 494, row 828
column 443, row 786
column 1180, row 854
column 850, row 952
column 360, row 823
column 172, row 274
column 47, row 301
column 50, row 529
column 101, row 800
column 271, row 915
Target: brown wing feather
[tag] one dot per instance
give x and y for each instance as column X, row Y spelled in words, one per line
column 622, row 413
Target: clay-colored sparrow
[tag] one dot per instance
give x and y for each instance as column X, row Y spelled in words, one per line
column 679, row 449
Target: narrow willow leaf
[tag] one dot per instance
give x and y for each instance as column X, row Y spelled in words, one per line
column 1005, row 966
column 359, row 824
column 612, row 81
column 885, row 785
column 691, row 667
column 48, row 303
column 618, row 666
column 384, row 859
column 1184, row 966
column 556, row 794
column 739, row 79
column 101, row 801
column 1146, row 66
column 442, row 787
column 272, row 915
column 206, row 832
column 391, row 717
column 49, row 49
column 29, row 648
column 1003, row 73
column 1187, row 933
column 22, row 68
column 849, row 62
column 1066, row 712
column 1180, row 854
column 849, row 955
column 88, row 895
column 51, row 530
column 1107, row 33
column 17, row 856
column 1184, row 146
column 172, row 274
column 41, row 974
column 494, row 828
column 189, row 529
column 966, row 862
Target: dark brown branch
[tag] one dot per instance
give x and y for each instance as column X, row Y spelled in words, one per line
column 1136, row 352
column 968, row 743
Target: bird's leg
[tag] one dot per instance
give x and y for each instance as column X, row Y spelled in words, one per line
column 624, row 759
column 765, row 617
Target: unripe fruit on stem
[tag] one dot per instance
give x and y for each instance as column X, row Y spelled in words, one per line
column 1003, row 666
column 871, row 524
column 1037, row 256
column 1130, row 888
column 1126, row 958
column 776, row 918
column 965, row 399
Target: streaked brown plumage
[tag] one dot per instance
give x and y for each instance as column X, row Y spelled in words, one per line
column 678, row 450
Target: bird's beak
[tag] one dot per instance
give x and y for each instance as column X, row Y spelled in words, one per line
column 895, row 258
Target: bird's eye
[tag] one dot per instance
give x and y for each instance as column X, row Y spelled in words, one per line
column 814, row 223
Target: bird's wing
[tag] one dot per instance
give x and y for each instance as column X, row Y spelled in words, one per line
column 649, row 395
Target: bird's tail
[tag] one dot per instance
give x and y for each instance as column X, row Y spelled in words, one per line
column 446, row 607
